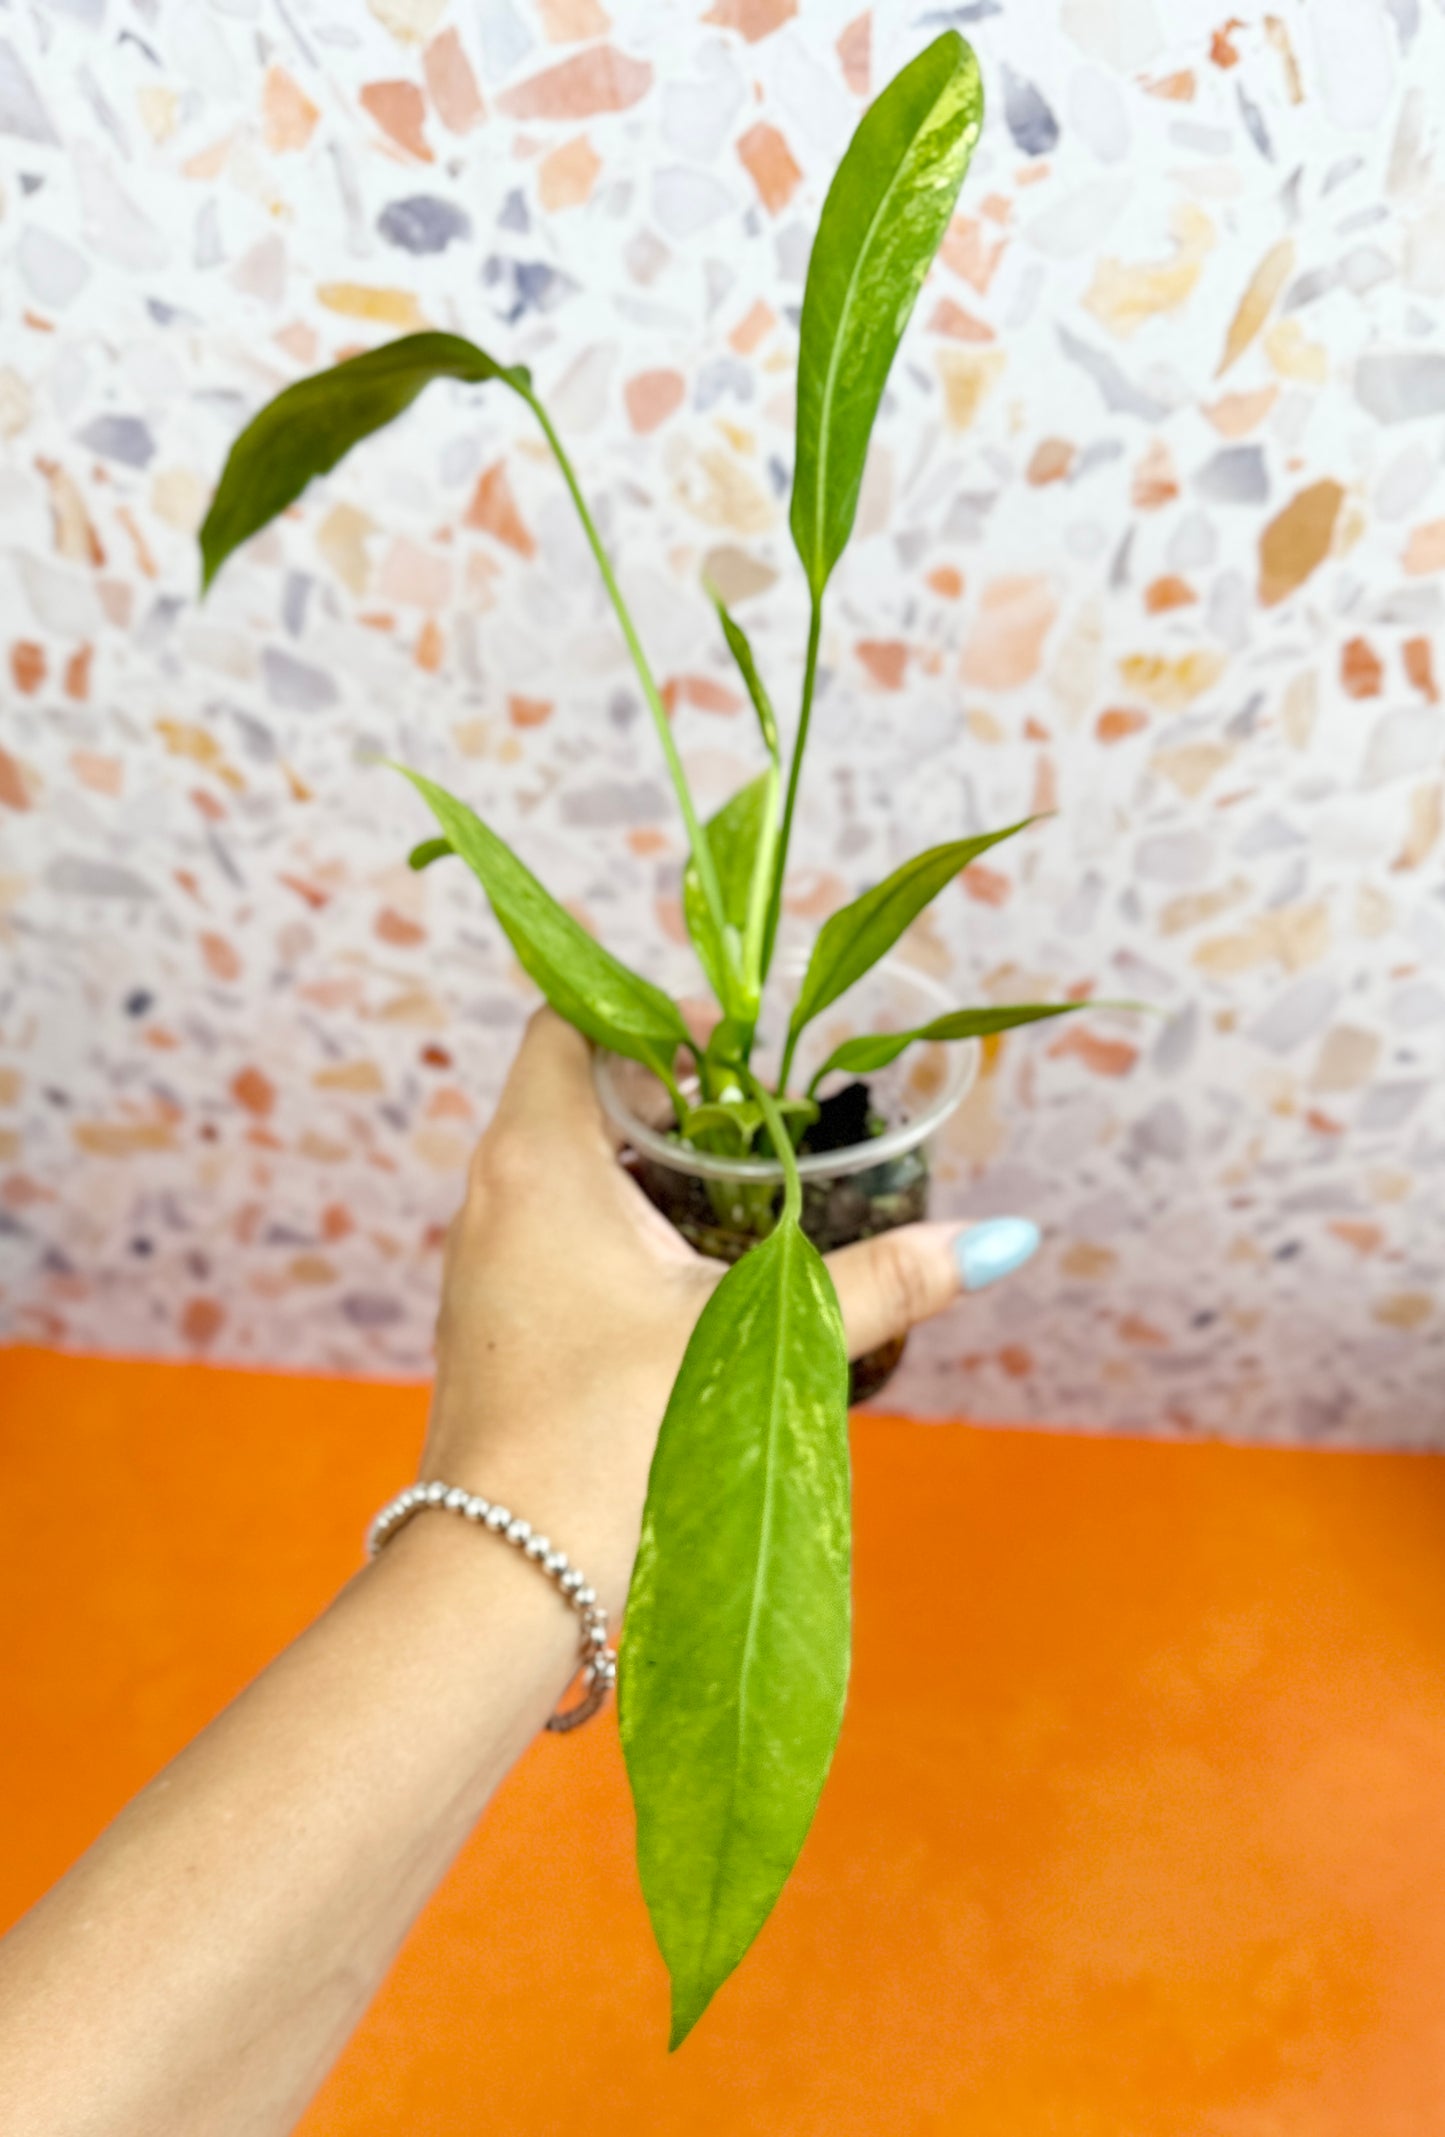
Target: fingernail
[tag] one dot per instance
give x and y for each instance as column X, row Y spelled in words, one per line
column 985, row 1252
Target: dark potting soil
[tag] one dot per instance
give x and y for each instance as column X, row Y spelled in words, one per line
column 843, row 1120
column 855, row 1205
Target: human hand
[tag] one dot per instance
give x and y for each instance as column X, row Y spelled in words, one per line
column 568, row 1300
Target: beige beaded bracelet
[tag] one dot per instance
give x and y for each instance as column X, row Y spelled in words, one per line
column 598, row 1661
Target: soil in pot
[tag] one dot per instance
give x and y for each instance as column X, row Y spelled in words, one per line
column 836, row 1210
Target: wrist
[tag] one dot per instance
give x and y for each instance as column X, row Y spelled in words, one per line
column 581, row 1498
column 448, row 1512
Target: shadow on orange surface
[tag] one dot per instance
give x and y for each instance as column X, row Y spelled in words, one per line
column 1137, row 1827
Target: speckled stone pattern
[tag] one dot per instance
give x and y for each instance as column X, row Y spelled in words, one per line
column 1152, row 537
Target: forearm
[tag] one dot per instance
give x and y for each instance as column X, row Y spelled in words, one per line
column 198, row 1971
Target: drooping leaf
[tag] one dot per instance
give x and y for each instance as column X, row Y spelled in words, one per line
column 429, row 850
column 728, row 1127
column 882, row 222
column 735, row 1649
column 745, row 823
column 307, row 429
column 874, row 1050
column 723, row 1129
column 742, row 1113
column 853, row 940
column 584, row 983
column 315, row 423
column 741, row 649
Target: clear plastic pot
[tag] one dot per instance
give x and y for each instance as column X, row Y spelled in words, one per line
column 724, row 1206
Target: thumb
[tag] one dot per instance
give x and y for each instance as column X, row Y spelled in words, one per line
column 887, row 1284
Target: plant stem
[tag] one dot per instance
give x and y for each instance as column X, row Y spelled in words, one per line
column 785, row 1066
column 783, row 1147
column 760, row 890
column 674, row 1088
column 702, row 854
column 805, row 714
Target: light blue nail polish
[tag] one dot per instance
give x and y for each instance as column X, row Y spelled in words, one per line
column 985, row 1252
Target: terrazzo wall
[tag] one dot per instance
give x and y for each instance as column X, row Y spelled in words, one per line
column 1153, row 537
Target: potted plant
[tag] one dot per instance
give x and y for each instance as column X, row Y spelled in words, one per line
column 735, row 1655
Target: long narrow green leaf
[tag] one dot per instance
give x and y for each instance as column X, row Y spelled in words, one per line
column 853, row 940
column 882, row 222
column 760, row 888
column 874, row 1050
column 745, row 823
column 315, row 423
column 735, row 1649
column 429, row 850
column 740, row 647
column 584, row 983
column 733, row 834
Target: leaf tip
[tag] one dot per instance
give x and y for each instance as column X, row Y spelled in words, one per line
column 687, row 2008
column 961, row 55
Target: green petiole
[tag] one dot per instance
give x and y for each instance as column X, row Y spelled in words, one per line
column 701, row 851
column 795, row 769
column 786, row 1065
column 783, row 1145
column 759, row 897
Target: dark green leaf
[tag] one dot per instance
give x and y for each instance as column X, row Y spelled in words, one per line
column 744, row 823
column 874, row 1050
column 315, row 423
column 742, row 653
column 883, row 220
column 583, row 982
column 854, row 939
column 430, row 849
column 735, row 1650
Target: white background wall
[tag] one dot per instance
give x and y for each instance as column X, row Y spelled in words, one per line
column 1153, row 535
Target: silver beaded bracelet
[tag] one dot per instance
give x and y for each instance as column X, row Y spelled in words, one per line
column 598, row 1660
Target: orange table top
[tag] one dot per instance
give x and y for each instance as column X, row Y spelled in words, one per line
column 1137, row 1827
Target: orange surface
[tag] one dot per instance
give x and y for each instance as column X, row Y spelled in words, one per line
column 1137, row 1827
